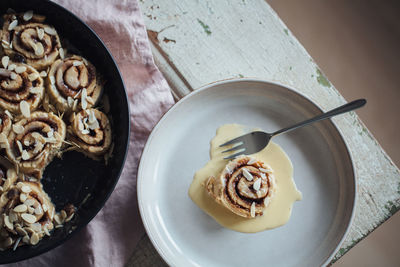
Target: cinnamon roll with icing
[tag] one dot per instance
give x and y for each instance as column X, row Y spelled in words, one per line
column 245, row 186
column 72, row 84
column 26, row 38
column 91, row 131
column 27, row 215
column 21, row 88
column 34, row 141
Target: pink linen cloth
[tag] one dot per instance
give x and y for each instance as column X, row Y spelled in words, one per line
column 110, row 238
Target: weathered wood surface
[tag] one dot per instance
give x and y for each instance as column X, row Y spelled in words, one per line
column 199, row 42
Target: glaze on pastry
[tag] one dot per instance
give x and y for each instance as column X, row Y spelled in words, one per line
column 245, row 186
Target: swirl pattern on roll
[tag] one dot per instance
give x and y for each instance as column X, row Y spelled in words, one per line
column 27, row 215
column 91, row 131
column 245, row 186
column 30, row 41
column 20, row 84
column 72, row 84
column 34, row 141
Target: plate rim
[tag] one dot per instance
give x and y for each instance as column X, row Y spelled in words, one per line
column 142, row 211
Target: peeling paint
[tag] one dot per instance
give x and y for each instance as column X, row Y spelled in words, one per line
column 322, row 80
column 166, row 40
column 241, row 75
column 391, row 207
column 205, row 27
column 290, row 68
column 286, row 31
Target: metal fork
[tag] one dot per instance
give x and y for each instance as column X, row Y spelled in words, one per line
column 255, row 141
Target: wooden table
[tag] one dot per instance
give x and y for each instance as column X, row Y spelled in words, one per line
column 198, row 42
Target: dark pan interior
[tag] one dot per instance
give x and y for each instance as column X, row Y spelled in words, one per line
column 76, row 177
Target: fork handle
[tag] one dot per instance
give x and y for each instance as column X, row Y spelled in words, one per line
column 342, row 109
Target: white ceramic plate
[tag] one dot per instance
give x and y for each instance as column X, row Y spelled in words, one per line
column 179, row 145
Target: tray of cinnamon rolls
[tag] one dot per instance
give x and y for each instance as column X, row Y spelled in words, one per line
column 58, row 124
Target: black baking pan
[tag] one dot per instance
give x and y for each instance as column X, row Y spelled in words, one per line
column 76, row 179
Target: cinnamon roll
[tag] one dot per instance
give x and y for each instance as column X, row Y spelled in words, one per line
column 34, row 141
column 27, row 215
column 91, row 131
column 72, row 84
column 21, row 88
column 245, row 186
column 26, row 39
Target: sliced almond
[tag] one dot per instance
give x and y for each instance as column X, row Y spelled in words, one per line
column 29, row 218
column 83, row 98
column 43, row 73
column 247, row 175
column 29, row 202
column 13, row 76
column 25, row 109
column 20, row 69
column 20, row 208
column 253, row 210
column 21, row 231
column 28, row 15
column 44, row 207
column 22, row 197
column 70, row 101
column 61, row 51
column 7, row 223
column 4, row 61
column 77, row 63
column 19, row 146
column 251, row 161
column 12, row 25
column 257, row 184
column 37, row 227
column 58, row 219
column 36, row 90
column 26, row 239
column 95, row 125
column 75, row 104
column 26, row 189
column 13, row 216
column 33, row 76
column 46, row 230
column 34, row 239
column 265, row 170
column 18, row 129
column 38, row 210
column 12, row 67
column 40, row 33
column 50, row 30
column 8, row 114
column 39, row 49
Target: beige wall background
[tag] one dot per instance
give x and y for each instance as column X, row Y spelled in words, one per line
column 357, row 45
